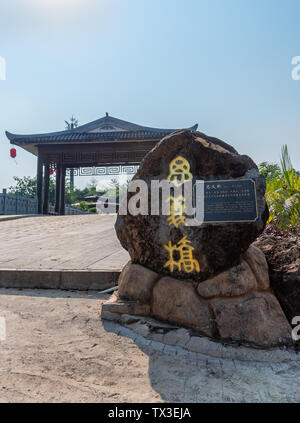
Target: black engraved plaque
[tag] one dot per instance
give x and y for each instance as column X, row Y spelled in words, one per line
column 230, row 201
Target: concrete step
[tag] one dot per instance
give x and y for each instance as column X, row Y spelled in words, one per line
column 58, row 279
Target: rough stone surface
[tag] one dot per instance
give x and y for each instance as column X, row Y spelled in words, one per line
column 177, row 337
column 229, row 307
column 217, row 247
column 259, row 266
column 156, row 337
column 197, row 347
column 220, row 288
column 127, row 319
column 115, row 305
column 253, row 319
column 140, row 328
column 177, row 302
column 237, row 280
column 136, row 283
column 283, row 257
column 109, row 315
column 204, row 346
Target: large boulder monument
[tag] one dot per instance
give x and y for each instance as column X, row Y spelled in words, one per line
column 203, row 274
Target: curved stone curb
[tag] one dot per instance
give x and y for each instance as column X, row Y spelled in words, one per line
column 180, row 342
column 5, row 218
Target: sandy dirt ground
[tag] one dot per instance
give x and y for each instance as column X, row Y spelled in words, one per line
column 58, row 350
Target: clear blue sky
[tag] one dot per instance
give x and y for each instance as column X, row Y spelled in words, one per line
column 224, row 64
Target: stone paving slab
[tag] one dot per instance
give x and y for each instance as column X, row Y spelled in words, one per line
column 67, row 252
column 176, row 339
column 80, row 242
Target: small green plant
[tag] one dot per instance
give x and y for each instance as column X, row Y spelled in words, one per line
column 270, row 171
column 84, row 205
column 93, row 210
column 283, row 193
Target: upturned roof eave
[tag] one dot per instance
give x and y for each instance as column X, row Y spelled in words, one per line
column 123, row 125
column 81, row 138
column 73, row 135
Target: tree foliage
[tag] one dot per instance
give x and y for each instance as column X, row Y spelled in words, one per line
column 114, row 188
column 23, row 186
column 283, row 193
column 28, row 186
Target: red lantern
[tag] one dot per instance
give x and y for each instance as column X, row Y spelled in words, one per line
column 51, row 171
column 13, row 153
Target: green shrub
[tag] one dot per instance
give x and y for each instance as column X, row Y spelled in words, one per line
column 93, row 210
column 283, row 193
column 84, row 205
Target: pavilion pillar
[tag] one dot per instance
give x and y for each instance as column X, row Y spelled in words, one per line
column 46, row 189
column 57, row 190
column 117, row 197
column 72, row 178
column 62, row 191
column 40, row 182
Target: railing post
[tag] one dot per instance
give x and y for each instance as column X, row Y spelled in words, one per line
column 17, row 200
column 27, row 205
column 4, row 200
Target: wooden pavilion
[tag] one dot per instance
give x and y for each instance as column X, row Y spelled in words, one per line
column 101, row 144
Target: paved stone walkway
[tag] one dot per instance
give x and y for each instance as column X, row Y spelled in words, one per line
column 82, row 242
column 58, row 350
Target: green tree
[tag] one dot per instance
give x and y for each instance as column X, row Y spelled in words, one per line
column 24, row 186
column 270, row 170
column 113, row 185
column 77, row 195
column 28, row 186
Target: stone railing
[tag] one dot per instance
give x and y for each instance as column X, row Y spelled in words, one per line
column 14, row 204
column 69, row 210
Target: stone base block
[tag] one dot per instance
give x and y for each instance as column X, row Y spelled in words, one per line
column 235, row 306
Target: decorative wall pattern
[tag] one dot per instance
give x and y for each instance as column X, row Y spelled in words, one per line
column 105, row 170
